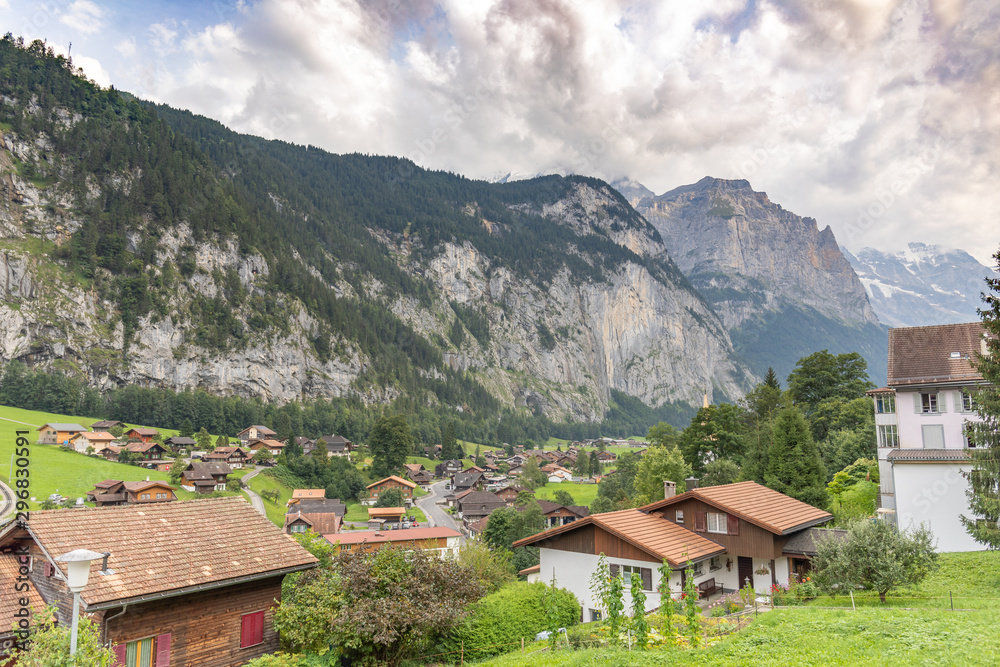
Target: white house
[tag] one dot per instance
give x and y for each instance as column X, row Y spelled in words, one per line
column 735, row 535
column 920, row 420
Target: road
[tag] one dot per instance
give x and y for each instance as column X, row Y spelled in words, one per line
column 255, row 500
column 8, row 501
column 435, row 515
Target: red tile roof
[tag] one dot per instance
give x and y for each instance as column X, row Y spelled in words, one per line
column 757, row 504
column 404, row 535
column 919, row 355
column 650, row 532
column 10, row 598
column 159, row 549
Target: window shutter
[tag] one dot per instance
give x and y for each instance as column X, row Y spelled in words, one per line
column 917, row 406
column 700, row 522
column 647, row 578
column 49, row 569
column 942, row 402
column 163, row 650
column 252, row 629
column 614, row 570
column 119, row 652
column 734, row 525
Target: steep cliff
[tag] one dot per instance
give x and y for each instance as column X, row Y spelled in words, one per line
column 780, row 284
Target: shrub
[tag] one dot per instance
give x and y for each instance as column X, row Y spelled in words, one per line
column 499, row 621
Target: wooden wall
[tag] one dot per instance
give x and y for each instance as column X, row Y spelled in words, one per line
column 752, row 541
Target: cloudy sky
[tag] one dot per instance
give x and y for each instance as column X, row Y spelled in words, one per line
column 881, row 119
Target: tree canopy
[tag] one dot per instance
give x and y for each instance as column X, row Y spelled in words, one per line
column 390, row 443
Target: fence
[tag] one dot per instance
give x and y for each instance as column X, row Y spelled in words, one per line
column 950, row 602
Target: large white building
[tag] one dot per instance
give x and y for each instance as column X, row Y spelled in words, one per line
column 920, row 420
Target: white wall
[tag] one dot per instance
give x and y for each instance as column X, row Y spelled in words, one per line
column 910, row 422
column 934, row 493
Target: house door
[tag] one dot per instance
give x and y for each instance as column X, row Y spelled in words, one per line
column 744, row 568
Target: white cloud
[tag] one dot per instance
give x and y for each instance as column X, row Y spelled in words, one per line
column 83, row 16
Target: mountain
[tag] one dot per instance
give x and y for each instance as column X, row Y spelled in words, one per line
column 781, row 285
column 922, row 285
column 145, row 245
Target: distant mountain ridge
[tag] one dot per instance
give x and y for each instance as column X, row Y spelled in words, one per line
column 780, row 284
column 922, row 285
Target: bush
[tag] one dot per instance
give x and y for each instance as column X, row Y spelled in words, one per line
column 499, row 621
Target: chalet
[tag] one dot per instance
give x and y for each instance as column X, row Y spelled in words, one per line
column 604, row 457
column 108, row 493
column 447, row 468
column 337, row 445
column 148, row 452
column 478, row 504
column 206, row 477
column 256, row 433
column 560, row 515
column 392, row 482
column 322, row 516
column 273, row 446
column 149, row 492
column 414, row 467
column 385, row 517
column 735, row 535
column 307, row 445
column 463, row 481
column 922, row 423
column 444, row 541
column 421, row 478
column 58, row 434
column 558, row 474
column 81, row 442
column 106, row 425
column 235, row 457
column 516, row 471
column 509, row 493
column 476, row 528
column 188, row 597
column 299, row 495
column 178, row 442
column 141, row 434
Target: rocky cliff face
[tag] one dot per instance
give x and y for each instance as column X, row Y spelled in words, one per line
column 765, row 271
column 558, row 347
column 922, row 285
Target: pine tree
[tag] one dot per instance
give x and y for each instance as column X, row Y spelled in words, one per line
column 449, row 446
column 794, row 465
column 984, row 478
column 771, row 380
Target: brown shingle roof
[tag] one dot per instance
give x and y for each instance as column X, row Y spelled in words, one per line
column 10, row 597
column 375, row 537
column 404, row 482
column 927, row 455
column 806, row 541
column 757, row 504
column 650, row 532
column 155, row 550
column 920, row 355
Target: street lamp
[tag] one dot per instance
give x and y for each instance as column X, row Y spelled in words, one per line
column 78, row 562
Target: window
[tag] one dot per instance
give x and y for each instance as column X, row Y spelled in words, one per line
column 346, row 547
column 715, row 564
column 595, row 615
column 645, row 573
column 679, row 516
column 928, row 403
column 148, row 652
column 885, row 404
column 718, row 523
column 968, row 401
column 887, row 435
column 298, row 528
column 252, row 629
column 144, row 496
column 933, row 435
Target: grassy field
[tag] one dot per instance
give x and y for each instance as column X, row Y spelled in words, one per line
column 35, row 418
column 809, row 636
column 583, row 494
column 276, row 510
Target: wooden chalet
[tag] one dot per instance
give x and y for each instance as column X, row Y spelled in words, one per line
column 141, row 434
column 106, row 425
column 149, row 452
column 235, row 457
column 405, row 487
column 465, row 481
column 81, row 442
column 385, row 517
column 560, row 515
column 447, row 468
column 167, row 593
column 273, row 446
column 206, row 477
column 306, row 494
column 421, row 478
column 337, row 445
column 108, row 493
column 444, row 541
column 322, row 516
column 256, row 432
column 58, row 433
column 113, row 492
column 179, row 442
column 478, row 504
column 509, row 493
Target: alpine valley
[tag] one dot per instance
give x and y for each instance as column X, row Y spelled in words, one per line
column 145, row 245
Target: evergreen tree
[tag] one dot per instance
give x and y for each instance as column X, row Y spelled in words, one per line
column 389, row 441
column 204, row 439
column 983, row 524
column 659, row 464
column 582, row 466
column 449, row 446
column 794, row 465
column 186, row 429
column 771, row 380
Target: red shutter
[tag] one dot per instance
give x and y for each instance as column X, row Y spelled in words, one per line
column 49, row 569
column 163, row 650
column 700, row 522
column 252, row 630
column 119, row 651
column 734, row 525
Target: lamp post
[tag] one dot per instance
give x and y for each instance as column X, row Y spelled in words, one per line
column 78, row 563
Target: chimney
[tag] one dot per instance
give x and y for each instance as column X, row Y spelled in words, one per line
column 669, row 489
column 691, row 483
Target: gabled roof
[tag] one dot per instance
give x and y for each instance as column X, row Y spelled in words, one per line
column 181, row 440
column 320, row 506
column 155, row 552
column 136, row 487
column 142, row 447
column 106, row 423
column 480, row 498
column 405, row 482
column 805, row 542
column 197, row 470
column 386, row 511
column 95, row 435
column 143, row 431
column 260, row 429
column 376, row 537
column 467, row 478
column 63, row 427
column 649, row 532
column 921, row 355
column 757, row 504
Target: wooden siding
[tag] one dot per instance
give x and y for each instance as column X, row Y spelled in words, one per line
column 752, row 540
column 580, row 540
column 613, row 546
column 391, row 484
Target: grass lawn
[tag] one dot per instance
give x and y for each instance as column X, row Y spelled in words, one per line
column 427, row 463
column 275, row 511
column 583, row 494
column 807, row 636
column 38, row 418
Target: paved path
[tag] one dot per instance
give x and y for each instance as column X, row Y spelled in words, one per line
column 255, row 500
column 436, row 516
column 8, row 500
column 17, row 422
